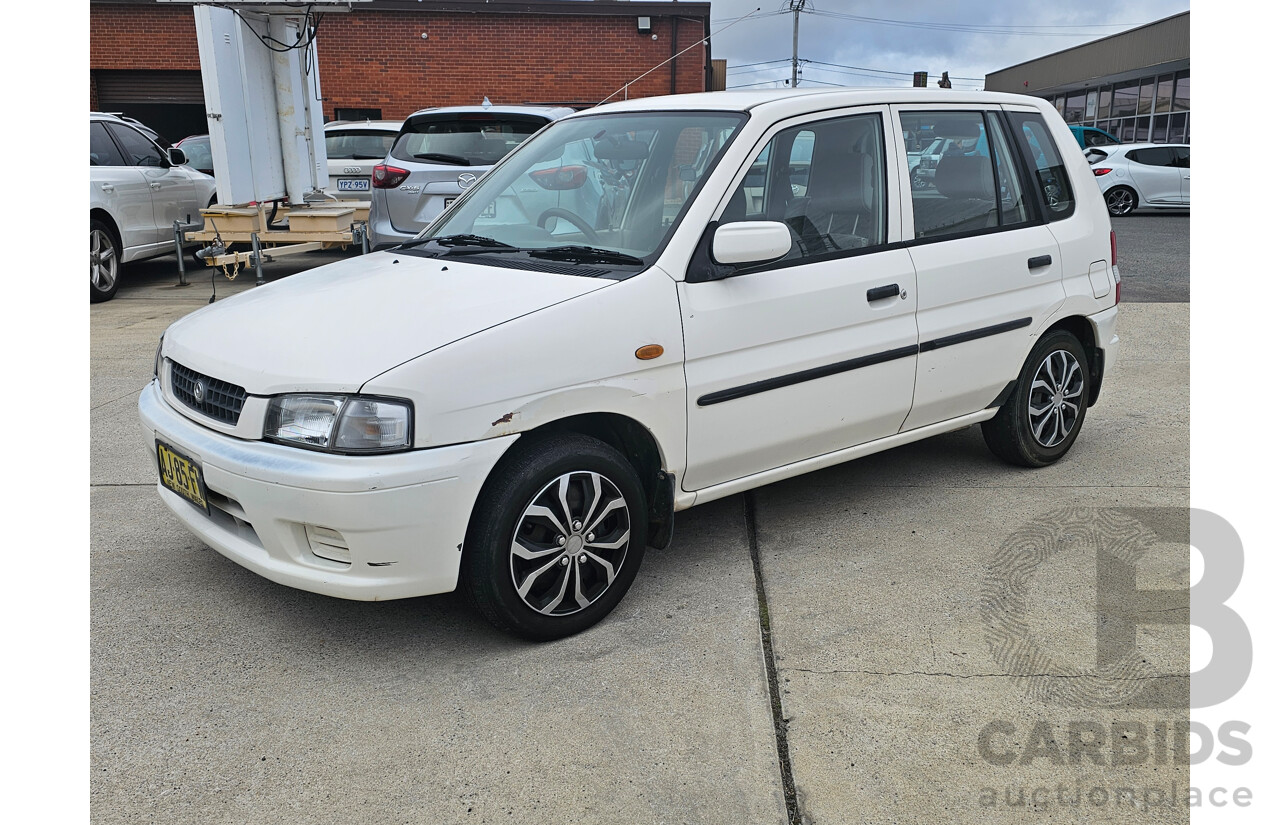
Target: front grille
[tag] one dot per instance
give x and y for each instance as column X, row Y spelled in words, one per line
column 222, row 401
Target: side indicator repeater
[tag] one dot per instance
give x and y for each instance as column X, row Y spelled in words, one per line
column 649, row 352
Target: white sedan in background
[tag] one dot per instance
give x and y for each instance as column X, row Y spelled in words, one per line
column 354, row 147
column 1142, row 175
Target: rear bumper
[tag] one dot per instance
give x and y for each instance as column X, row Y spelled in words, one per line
column 402, row 517
column 1108, row 341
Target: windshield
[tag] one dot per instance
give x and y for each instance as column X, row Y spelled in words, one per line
column 614, row 183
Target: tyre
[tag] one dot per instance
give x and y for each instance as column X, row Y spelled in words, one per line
column 104, row 262
column 1121, row 201
column 1039, row 422
column 556, row 537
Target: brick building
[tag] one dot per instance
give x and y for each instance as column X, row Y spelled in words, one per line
column 388, row 58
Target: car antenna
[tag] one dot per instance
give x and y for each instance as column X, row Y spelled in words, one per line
column 706, row 39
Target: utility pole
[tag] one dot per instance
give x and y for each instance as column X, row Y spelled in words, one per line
column 797, row 6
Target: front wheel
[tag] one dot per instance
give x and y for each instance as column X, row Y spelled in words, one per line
column 556, row 538
column 1041, row 419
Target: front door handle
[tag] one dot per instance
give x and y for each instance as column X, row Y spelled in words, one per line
column 155, row 186
column 106, row 187
column 1039, row 261
column 879, row 293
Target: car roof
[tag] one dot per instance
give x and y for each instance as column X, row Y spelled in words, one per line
column 1115, row 147
column 388, row 125
column 785, row 102
column 551, row 112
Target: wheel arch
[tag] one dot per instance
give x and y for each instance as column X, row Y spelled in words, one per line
column 1082, row 329
column 97, row 213
column 637, row 445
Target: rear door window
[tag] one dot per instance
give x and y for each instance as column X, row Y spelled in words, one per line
column 1154, row 156
column 974, row 185
column 463, row 139
column 1053, row 186
column 102, row 149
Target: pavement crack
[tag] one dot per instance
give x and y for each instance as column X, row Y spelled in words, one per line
column 989, row 675
column 771, row 667
column 114, row 400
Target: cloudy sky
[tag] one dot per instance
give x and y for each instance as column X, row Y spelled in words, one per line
column 865, row 43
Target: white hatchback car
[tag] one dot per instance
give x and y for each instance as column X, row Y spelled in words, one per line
column 519, row 409
column 136, row 191
column 1142, row 175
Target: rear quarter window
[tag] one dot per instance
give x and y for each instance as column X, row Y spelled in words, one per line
column 1044, row 163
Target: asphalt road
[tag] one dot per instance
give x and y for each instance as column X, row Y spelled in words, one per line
column 1155, row 256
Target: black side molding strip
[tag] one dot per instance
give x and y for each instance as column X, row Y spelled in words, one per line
column 806, row 375
column 974, row 334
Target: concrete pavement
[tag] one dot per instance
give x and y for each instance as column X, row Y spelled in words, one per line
column 218, row 696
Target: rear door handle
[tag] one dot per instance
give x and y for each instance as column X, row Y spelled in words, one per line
column 879, row 293
column 1039, row 261
column 106, row 187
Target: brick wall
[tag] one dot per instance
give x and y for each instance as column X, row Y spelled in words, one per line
column 379, row 59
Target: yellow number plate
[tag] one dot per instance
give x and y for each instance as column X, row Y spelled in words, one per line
column 181, row 475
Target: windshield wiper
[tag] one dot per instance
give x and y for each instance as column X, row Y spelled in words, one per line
column 488, row 244
column 456, row 160
column 583, row 254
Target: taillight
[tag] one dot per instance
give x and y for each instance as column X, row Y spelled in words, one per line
column 388, row 177
column 1099, row 171
column 562, row 177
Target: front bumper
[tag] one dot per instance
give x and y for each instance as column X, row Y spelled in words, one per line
column 402, row 517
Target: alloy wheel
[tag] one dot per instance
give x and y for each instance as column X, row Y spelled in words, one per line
column 1120, row 201
column 569, row 543
column 1055, row 398
column 103, row 264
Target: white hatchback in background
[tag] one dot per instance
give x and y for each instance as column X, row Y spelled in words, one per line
column 1142, row 175
column 438, row 154
column 136, row 191
column 519, row 408
column 354, row 147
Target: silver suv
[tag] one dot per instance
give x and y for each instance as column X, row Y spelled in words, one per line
column 136, row 191
column 437, row 155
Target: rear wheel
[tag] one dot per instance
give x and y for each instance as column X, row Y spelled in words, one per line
column 1041, row 419
column 556, row 538
column 104, row 262
column 1121, row 201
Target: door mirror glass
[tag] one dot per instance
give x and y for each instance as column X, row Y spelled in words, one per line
column 750, row 242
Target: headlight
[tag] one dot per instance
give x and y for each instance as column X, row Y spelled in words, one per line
column 340, row 423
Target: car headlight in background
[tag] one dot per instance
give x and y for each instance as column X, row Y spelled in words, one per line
column 340, row 423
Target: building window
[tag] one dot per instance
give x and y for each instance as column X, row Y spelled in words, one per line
column 1182, row 96
column 357, row 114
column 1160, row 129
column 1074, row 112
column 1164, row 94
column 1144, row 97
column 1124, row 101
column 1104, row 103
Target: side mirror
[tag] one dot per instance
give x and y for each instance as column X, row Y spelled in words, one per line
column 177, row 157
column 750, row 242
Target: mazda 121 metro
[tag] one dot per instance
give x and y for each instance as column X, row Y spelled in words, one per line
column 517, row 404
